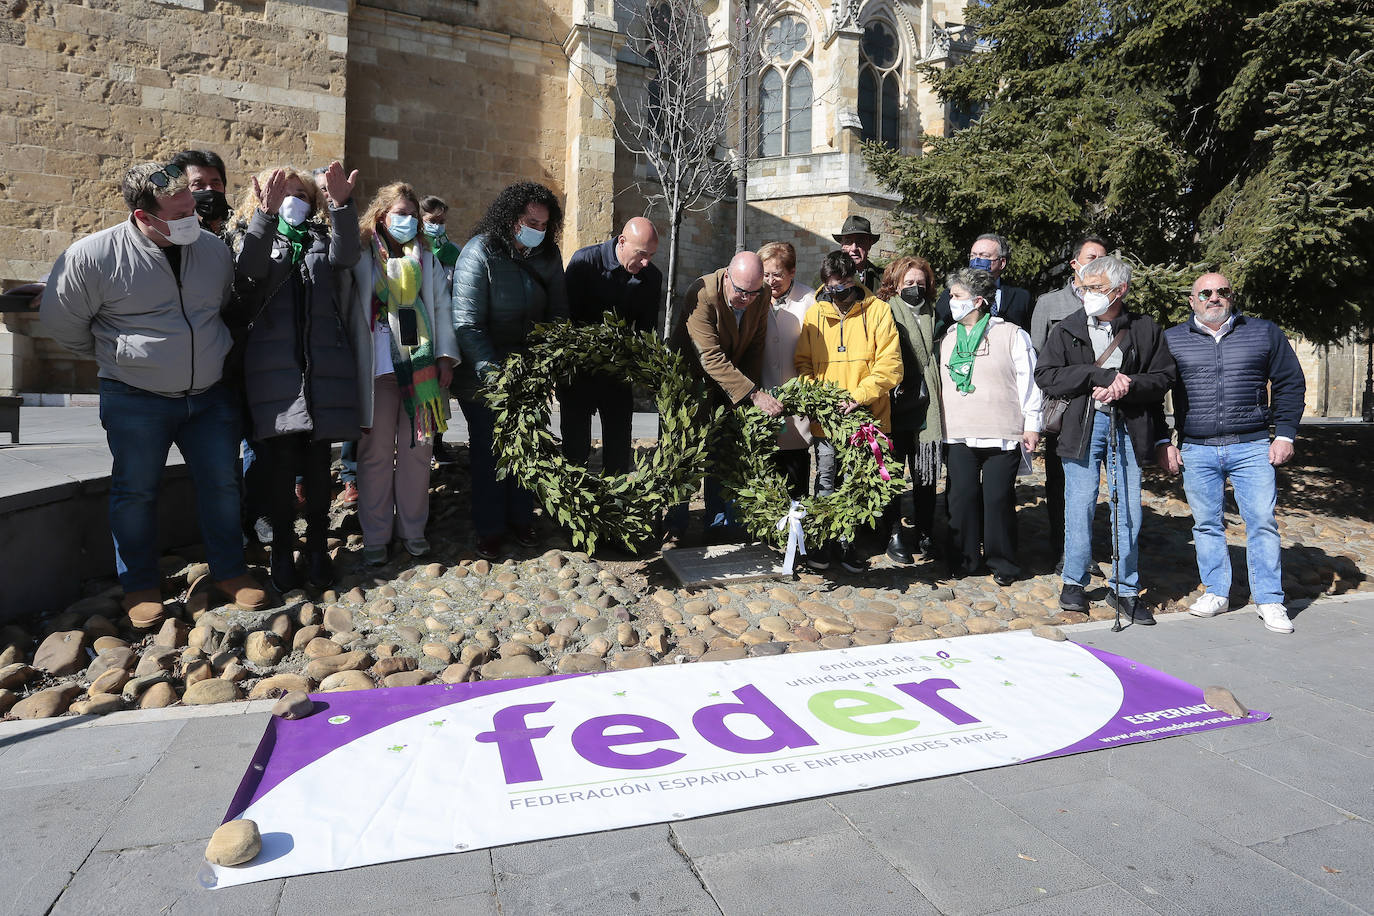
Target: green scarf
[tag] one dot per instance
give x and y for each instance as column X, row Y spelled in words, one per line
column 296, row 238
column 417, row 375
column 961, row 360
column 445, row 252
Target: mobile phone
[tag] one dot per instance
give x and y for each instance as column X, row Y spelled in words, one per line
column 410, row 331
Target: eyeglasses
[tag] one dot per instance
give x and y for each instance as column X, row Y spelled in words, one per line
column 165, row 175
column 744, row 292
column 1222, row 292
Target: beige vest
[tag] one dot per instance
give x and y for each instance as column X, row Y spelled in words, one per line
column 993, row 409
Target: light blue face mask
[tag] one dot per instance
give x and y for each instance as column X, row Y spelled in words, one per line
column 401, row 227
column 434, row 229
column 530, row 238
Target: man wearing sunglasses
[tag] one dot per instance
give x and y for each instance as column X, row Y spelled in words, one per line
column 1237, row 376
column 144, row 299
column 721, row 335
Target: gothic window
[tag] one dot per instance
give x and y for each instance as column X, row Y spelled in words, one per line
column 880, row 91
column 785, row 95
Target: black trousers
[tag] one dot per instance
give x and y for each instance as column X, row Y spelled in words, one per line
column 584, row 396
column 983, row 477
column 1054, row 495
column 288, row 456
column 922, row 519
column 795, row 466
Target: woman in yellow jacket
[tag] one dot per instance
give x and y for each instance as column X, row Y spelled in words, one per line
column 848, row 338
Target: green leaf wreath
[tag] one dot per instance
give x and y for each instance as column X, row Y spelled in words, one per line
column 759, row 490
column 622, row 508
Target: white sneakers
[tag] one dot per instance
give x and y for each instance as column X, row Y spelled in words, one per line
column 1275, row 617
column 1210, row 605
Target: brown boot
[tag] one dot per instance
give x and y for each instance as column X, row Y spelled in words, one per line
column 144, row 608
column 245, row 591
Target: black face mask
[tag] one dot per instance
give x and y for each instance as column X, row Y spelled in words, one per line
column 913, row 296
column 211, row 205
column 845, row 298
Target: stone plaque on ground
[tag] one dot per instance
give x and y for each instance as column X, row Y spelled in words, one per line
column 724, row 563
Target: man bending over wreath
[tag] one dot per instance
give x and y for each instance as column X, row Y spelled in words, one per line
column 721, row 335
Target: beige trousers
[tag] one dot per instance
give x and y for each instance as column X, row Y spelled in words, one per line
column 393, row 476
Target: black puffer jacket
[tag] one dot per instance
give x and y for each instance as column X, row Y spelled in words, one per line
column 1065, row 369
column 299, row 372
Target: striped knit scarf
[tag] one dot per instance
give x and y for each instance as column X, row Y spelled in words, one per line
column 417, row 376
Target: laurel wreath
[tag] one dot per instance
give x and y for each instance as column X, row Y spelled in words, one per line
column 623, row 508
column 760, row 491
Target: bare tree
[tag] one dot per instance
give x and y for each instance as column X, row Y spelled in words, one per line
column 685, row 123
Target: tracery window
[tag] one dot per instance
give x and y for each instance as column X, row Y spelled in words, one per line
column 785, row 88
column 880, row 74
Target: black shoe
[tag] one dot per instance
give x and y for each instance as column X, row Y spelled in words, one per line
column 819, row 558
column 525, row 535
column 897, row 550
column 489, row 548
column 850, row 560
column 1073, row 598
column 1131, row 607
column 284, row 577
column 319, row 569
column 1004, row 578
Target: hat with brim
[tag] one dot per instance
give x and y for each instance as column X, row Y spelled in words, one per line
column 856, row 225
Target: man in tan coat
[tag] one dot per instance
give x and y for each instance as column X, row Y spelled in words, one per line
column 721, row 335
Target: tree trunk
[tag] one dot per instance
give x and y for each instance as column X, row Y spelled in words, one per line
column 674, row 224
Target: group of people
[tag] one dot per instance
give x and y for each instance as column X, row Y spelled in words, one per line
column 293, row 323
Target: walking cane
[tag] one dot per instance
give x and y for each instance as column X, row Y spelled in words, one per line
column 1113, row 475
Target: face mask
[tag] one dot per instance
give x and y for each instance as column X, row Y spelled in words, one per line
column 1096, row 303
column 980, row 263
column 401, row 227
column 913, row 296
column 182, row 231
column 211, row 205
column 294, row 211
column 530, row 238
column 959, row 308
column 434, row 230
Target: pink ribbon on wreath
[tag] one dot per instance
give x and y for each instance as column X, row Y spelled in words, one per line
column 869, row 434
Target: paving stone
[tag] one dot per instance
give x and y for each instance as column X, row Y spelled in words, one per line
column 797, row 875
column 987, row 844
column 1335, row 858
column 632, row 870
column 158, row 879
column 414, row 884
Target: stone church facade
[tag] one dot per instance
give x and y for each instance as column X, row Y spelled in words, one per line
column 458, row 97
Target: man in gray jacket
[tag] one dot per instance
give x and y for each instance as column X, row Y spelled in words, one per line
column 1050, row 309
column 144, row 299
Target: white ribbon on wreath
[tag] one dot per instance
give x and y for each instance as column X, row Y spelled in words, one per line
column 796, row 537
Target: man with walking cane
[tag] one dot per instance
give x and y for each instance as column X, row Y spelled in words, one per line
column 1112, row 369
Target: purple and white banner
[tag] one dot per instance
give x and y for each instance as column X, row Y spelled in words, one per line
column 382, row 775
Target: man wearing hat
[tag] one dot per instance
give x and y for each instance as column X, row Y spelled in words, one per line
column 856, row 237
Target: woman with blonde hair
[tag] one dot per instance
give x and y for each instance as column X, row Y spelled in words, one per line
column 406, row 352
column 908, row 287
column 299, row 371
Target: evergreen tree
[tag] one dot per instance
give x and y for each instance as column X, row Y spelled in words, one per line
column 1193, row 134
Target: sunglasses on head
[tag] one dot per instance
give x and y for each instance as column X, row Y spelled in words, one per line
column 1223, row 292
column 165, row 175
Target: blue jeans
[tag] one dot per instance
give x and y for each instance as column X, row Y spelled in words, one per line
column 1205, row 470
column 1081, row 481
column 348, row 460
column 497, row 505
column 141, row 428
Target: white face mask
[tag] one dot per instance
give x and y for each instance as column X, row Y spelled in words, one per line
column 530, row 238
column 401, row 227
column 959, row 308
column 1096, row 303
column 182, row 231
column 294, row 211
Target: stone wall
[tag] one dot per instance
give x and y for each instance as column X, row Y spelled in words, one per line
column 458, row 98
column 90, row 88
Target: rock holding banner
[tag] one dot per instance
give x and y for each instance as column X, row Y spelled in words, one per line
column 384, row 775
